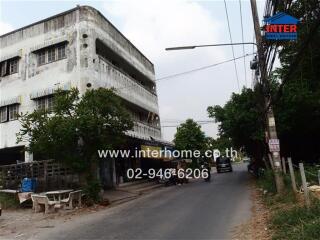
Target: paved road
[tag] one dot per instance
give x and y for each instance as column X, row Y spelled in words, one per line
column 198, row 210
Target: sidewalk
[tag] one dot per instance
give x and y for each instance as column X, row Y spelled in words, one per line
column 130, row 190
column 116, row 196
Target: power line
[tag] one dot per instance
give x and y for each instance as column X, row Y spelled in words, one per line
column 202, row 68
column 235, row 65
column 192, row 70
column 200, row 123
column 179, row 120
column 243, row 51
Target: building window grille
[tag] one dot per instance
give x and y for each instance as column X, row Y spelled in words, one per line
column 41, row 104
column 3, row 114
column 41, row 57
column 49, row 103
column 13, row 112
column 45, row 103
column 3, row 68
column 13, row 66
column 51, row 55
column 61, row 52
column 9, row 113
column 9, row 66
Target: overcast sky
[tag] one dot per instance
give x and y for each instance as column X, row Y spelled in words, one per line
column 154, row 25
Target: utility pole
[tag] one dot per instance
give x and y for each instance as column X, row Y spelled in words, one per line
column 270, row 121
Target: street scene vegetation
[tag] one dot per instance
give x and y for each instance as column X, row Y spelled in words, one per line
column 75, row 128
column 282, row 106
column 295, row 97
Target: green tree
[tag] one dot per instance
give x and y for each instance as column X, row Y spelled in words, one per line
column 297, row 109
column 240, row 120
column 190, row 137
column 221, row 143
column 77, row 128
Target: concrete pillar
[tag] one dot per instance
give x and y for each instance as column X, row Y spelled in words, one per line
column 28, row 156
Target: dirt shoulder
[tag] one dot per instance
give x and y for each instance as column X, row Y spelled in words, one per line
column 22, row 223
column 257, row 227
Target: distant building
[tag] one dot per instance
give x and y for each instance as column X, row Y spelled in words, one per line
column 77, row 48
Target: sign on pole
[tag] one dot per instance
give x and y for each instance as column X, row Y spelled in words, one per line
column 274, row 145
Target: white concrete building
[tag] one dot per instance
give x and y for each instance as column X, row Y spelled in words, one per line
column 77, row 48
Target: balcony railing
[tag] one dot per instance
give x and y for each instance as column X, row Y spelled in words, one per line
column 127, row 88
column 144, row 131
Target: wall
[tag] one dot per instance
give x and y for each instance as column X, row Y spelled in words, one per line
column 80, row 27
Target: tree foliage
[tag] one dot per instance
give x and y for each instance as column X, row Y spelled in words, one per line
column 76, row 127
column 189, row 136
column 221, row 143
column 297, row 111
column 241, row 121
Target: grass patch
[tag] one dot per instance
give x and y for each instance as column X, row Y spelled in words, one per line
column 297, row 223
column 8, row 201
column 312, row 174
column 266, row 182
column 290, row 219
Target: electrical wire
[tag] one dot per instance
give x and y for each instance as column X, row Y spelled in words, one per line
column 243, row 50
column 200, row 123
column 235, row 64
column 190, row 71
column 179, row 120
column 202, row 68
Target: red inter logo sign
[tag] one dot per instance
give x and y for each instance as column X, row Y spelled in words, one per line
column 281, row 27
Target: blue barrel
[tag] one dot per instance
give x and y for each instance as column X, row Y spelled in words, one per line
column 28, row 185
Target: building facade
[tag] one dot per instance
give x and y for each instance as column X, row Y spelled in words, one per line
column 77, row 48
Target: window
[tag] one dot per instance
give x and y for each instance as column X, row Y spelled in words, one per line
column 51, row 55
column 41, row 103
column 3, row 114
column 61, row 52
column 13, row 66
column 50, row 103
column 9, row 66
column 42, row 57
column 3, row 68
column 13, row 112
column 9, row 113
column 45, row 103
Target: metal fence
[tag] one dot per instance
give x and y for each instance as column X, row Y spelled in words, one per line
column 49, row 175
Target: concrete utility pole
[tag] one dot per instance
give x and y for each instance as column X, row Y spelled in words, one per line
column 270, row 121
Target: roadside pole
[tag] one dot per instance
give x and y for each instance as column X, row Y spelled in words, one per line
column 284, row 168
column 292, row 176
column 270, row 121
column 304, row 185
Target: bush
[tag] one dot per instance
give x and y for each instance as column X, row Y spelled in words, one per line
column 8, row 201
column 92, row 191
column 297, row 223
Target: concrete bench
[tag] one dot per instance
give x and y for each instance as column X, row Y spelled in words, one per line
column 42, row 203
column 74, row 196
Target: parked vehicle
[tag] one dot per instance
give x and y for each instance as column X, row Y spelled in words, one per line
column 223, row 164
column 256, row 169
column 172, row 180
column 207, row 166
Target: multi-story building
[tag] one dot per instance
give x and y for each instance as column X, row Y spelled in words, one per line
column 77, row 48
